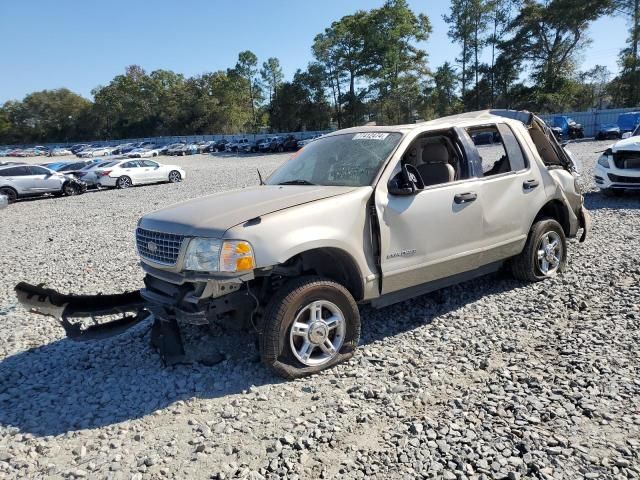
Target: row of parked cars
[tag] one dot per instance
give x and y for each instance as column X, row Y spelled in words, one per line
column 150, row 149
column 564, row 127
column 20, row 180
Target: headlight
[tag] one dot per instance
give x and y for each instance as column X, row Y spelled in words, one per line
column 212, row 255
column 603, row 161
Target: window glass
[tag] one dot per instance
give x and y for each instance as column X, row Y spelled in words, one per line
column 35, row 170
column 350, row 159
column 149, row 163
column 132, row 164
column 15, row 172
column 498, row 149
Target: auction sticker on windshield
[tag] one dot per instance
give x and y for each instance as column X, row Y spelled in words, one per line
column 370, row 136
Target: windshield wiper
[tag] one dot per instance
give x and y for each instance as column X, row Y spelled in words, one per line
column 296, row 182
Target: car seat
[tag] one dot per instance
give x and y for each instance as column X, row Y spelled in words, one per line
column 435, row 167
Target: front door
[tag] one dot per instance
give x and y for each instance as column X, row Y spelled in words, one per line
column 43, row 180
column 436, row 232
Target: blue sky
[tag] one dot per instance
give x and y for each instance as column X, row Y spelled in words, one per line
column 80, row 44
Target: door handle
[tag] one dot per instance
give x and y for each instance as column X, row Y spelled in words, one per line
column 465, row 197
column 530, row 184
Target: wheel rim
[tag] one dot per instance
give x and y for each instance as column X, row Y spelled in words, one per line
column 549, row 253
column 174, row 177
column 69, row 190
column 317, row 333
column 124, row 182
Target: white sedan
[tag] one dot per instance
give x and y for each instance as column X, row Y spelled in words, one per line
column 125, row 173
column 144, row 152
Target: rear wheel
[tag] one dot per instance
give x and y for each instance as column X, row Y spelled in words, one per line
column 124, row 182
column 10, row 193
column 311, row 324
column 544, row 254
column 174, row 176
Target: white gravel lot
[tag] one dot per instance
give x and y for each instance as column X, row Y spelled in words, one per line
column 489, row 379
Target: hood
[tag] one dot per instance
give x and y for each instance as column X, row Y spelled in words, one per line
column 628, row 144
column 213, row 215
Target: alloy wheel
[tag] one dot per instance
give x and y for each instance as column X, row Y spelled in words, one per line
column 317, row 333
column 549, row 253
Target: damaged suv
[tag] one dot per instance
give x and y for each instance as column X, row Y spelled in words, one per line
column 618, row 168
column 371, row 215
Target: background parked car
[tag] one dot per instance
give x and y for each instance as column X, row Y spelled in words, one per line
column 277, row 144
column 570, row 128
column 236, row 145
column 221, row 145
column 290, row 143
column 628, row 121
column 18, row 181
column 126, row 173
column 608, row 131
column 183, row 149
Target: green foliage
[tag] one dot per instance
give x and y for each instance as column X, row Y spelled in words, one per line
column 369, row 66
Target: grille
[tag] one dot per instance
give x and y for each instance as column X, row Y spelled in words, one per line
column 627, row 160
column 158, row 247
column 621, row 179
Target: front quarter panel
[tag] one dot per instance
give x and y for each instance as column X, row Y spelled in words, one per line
column 337, row 222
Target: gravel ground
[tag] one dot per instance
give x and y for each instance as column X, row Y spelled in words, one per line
column 489, row 379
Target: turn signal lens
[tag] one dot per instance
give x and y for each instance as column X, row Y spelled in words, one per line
column 236, row 256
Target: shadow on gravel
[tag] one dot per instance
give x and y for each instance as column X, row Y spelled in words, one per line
column 66, row 386
column 597, row 201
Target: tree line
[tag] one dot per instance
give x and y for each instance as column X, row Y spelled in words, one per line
column 368, row 66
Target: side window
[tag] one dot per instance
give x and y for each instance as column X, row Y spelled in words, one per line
column 149, row 163
column 132, row 164
column 498, row 149
column 35, row 170
column 15, row 172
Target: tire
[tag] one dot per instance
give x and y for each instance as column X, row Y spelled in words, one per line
column 612, row 192
column 69, row 190
column 283, row 351
column 10, row 193
column 280, row 149
column 174, row 176
column 123, row 182
column 529, row 266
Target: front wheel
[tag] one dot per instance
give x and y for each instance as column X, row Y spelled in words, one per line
column 311, row 324
column 124, row 182
column 10, row 193
column 544, row 254
column 69, row 189
column 174, row 176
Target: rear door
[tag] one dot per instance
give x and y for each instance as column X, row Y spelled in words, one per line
column 511, row 190
column 134, row 170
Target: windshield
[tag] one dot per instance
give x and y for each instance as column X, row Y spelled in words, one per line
column 350, row 160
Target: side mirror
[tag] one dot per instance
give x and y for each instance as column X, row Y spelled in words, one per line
column 626, row 135
column 404, row 182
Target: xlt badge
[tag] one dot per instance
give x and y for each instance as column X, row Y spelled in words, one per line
column 403, row 253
